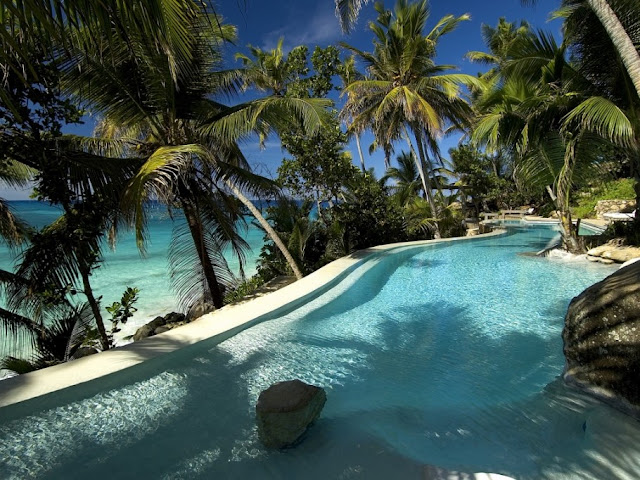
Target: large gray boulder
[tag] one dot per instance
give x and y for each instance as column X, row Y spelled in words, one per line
column 602, row 338
column 198, row 309
column 148, row 329
column 285, row 410
column 84, row 352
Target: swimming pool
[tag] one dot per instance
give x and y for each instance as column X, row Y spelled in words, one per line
column 446, row 354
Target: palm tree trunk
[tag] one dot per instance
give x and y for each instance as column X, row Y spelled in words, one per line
column 426, row 183
column 387, row 156
column 197, row 234
column 620, row 38
column 569, row 232
column 360, row 153
column 268, row 228
column 95, row 307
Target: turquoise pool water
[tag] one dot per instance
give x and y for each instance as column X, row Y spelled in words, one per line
column 446, row 354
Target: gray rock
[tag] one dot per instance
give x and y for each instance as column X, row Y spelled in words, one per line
column 199, row 309
column 159, row 325
column 84, row 352
column 143, row 332
column 156, row 322
column 285, row 410
column 602, row 337
column 174, row 317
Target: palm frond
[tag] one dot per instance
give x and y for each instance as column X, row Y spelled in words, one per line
column 266, row 115
column 13, row 230
column 185, row 267
column 347, row 12
column 156, row 179
column 603, row 117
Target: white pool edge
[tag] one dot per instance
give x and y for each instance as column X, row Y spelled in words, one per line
column 232, row 317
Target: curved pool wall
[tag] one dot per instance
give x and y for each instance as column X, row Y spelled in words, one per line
column 445, row 354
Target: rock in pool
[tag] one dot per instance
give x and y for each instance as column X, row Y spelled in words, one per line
column 285, row 410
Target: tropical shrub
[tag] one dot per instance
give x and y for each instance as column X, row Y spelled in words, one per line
column 304, row 235
column 587, row 198
column 244, row 288
column 369, row 216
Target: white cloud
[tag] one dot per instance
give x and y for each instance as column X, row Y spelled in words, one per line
column 321, row 28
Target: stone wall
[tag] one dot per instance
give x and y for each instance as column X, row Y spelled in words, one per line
column 613, row 206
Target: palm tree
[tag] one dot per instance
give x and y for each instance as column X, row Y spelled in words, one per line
column 59, row 257
column 610, row 13
column 270, row 71
column 526, row 112
column 612, row 110
column 13, row 230
column 348, row 75
column 56, row 24
column 500, row 41
column 405, row 91
column 34, row 149
column 406, row 177
column 348, row 10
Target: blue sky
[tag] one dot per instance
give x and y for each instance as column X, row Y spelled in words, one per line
column 313, row 22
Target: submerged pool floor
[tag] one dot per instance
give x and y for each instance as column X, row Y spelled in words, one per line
column 444, row 354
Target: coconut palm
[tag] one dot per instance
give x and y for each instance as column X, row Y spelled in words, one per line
column 612, row 110
column 617, row 18
column 405, row 93
column 500, row 41
column 54, row 340
column 55, row 25
column 526, row 113
column 348, row 74
column 33, row 148
column 406, row 177
column 347, row 12
column 272, row 72
column 13, row 230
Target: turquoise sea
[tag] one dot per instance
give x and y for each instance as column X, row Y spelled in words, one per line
column 126, row 267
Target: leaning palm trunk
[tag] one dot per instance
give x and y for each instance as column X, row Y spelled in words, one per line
column 197, row 234
column 95, row 307
column 268, row 228
column 569, row 232
column 360, row 153
column 620, row 38
column 426, row 184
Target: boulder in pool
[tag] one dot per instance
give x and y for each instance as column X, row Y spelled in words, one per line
column 602, row 338
column 285, row 410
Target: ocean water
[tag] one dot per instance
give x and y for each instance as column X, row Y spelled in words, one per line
column 443, row 355
column 126, row 267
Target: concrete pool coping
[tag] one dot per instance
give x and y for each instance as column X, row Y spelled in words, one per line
column 230, row 319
